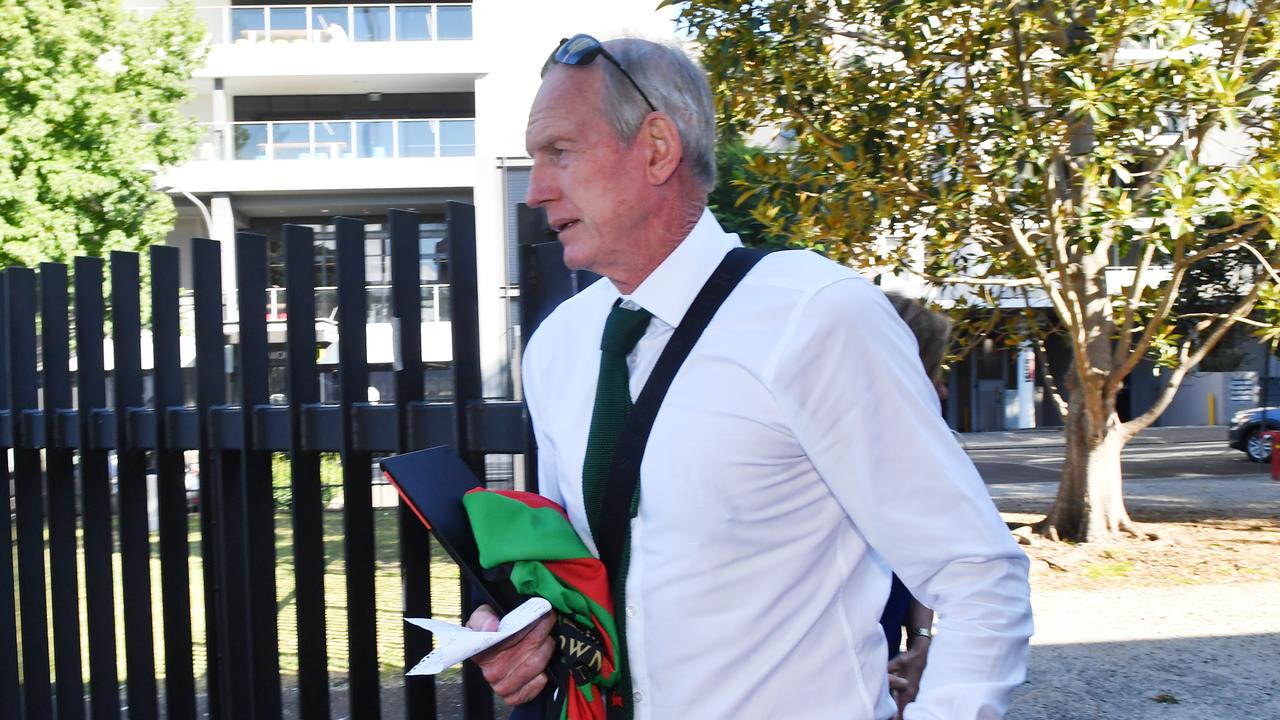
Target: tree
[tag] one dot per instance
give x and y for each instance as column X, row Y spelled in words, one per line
column 1082, row 156
column 90, row 99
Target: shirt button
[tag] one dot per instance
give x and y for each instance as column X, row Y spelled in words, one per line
column 631, row 611
column 637, row 697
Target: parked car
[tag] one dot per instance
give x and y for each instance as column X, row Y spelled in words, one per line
column 1246, row 431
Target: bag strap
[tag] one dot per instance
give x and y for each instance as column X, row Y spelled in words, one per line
column 624, row 473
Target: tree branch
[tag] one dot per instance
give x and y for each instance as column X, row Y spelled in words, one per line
column 1135, row 293
column 1050, row 382
column 1154, row 324
column 993, row 282
column 1015, row 10
column 1190, row 360
column 1224, row 246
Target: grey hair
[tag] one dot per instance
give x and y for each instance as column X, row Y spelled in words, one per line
column 676, row 84
column 932, row 330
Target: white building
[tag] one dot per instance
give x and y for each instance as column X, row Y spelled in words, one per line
column 323, row 109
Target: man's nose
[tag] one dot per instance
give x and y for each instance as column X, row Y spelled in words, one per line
column 541, row 188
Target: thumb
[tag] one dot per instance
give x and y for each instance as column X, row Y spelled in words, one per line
column 483, row 619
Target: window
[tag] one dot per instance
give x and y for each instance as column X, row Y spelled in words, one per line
column 372, row 24
column 457, row 138
column 453, row 23
column 417, row 139
column 413, row 23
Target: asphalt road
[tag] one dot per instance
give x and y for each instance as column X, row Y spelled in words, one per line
column 1037, row 456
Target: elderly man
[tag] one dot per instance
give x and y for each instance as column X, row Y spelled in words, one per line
column 797, row 459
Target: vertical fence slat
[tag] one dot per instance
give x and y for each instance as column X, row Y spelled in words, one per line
column 95, row 488
column 232, row 513
column 467, row 386
column 64, row 582
column 175, row 585
column 415, row 548
column 308, row 509
column 228, row 673
column 28, row 495
column 251, row 284
column 357, row 489
column 131, row 480
column 9, row 686
column 544, row 283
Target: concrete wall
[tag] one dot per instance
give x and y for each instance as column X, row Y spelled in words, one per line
column 1211, row 398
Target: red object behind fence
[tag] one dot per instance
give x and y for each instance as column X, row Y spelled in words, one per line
column 1274, row 437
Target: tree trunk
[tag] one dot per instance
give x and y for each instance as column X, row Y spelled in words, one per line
column 1090, row 502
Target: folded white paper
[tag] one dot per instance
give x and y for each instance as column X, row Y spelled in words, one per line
column 455, row 644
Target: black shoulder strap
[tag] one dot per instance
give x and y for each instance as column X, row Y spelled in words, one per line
column 624, row 474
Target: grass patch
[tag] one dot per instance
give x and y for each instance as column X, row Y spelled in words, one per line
column 1114, row 569
column 390, row 625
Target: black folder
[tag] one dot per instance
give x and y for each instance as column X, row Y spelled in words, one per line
column 432, row 483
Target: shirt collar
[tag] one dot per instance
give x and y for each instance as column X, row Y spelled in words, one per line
column 670, row 288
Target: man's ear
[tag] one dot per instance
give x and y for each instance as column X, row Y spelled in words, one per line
column 665, row 150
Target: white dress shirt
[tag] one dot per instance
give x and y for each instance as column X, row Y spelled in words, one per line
column 799, row 455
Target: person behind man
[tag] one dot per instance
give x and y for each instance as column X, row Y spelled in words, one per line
column 902, row 611
column 797, row 457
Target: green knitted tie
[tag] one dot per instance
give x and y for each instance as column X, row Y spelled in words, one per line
column 622, row 331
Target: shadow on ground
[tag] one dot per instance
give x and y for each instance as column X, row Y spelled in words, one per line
column 1174, row 679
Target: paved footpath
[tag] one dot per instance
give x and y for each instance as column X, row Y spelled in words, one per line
column 1053, row 436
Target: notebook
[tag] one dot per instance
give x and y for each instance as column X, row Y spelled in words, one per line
column 432, row 483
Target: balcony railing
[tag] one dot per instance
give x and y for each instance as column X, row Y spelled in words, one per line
column 282, row 24
column 338, row 139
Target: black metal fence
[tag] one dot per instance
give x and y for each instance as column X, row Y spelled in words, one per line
column 58, row 426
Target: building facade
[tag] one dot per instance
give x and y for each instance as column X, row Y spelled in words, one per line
column 312, row 110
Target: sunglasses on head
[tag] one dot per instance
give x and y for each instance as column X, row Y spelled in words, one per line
column 581, row 49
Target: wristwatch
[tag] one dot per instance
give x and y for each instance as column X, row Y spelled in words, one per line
column 923, row 632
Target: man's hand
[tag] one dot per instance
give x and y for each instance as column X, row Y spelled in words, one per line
column 516, row 668
column 904, row 674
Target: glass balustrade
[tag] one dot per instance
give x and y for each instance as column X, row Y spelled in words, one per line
column 337, row 139
column 285, row 24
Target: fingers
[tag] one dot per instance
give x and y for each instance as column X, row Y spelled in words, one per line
column 484, row 619
column 515, row 669
column 897, row 684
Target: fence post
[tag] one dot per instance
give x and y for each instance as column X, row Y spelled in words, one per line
column 175, row 585
column 415, row 547
column 357, row 490
column 225, row 622
column 464, row 293
column 259, row 502
column 304, row 469
column 64, row 582
column 9, row 686
column 95, row 486
column 28, row 493
column 131, row 481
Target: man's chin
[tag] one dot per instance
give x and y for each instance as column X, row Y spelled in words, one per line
column 574, row 259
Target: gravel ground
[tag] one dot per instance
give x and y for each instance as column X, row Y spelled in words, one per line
column 1164, row 650
column 1174, row 653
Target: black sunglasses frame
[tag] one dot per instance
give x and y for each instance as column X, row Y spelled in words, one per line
column 582, row 49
